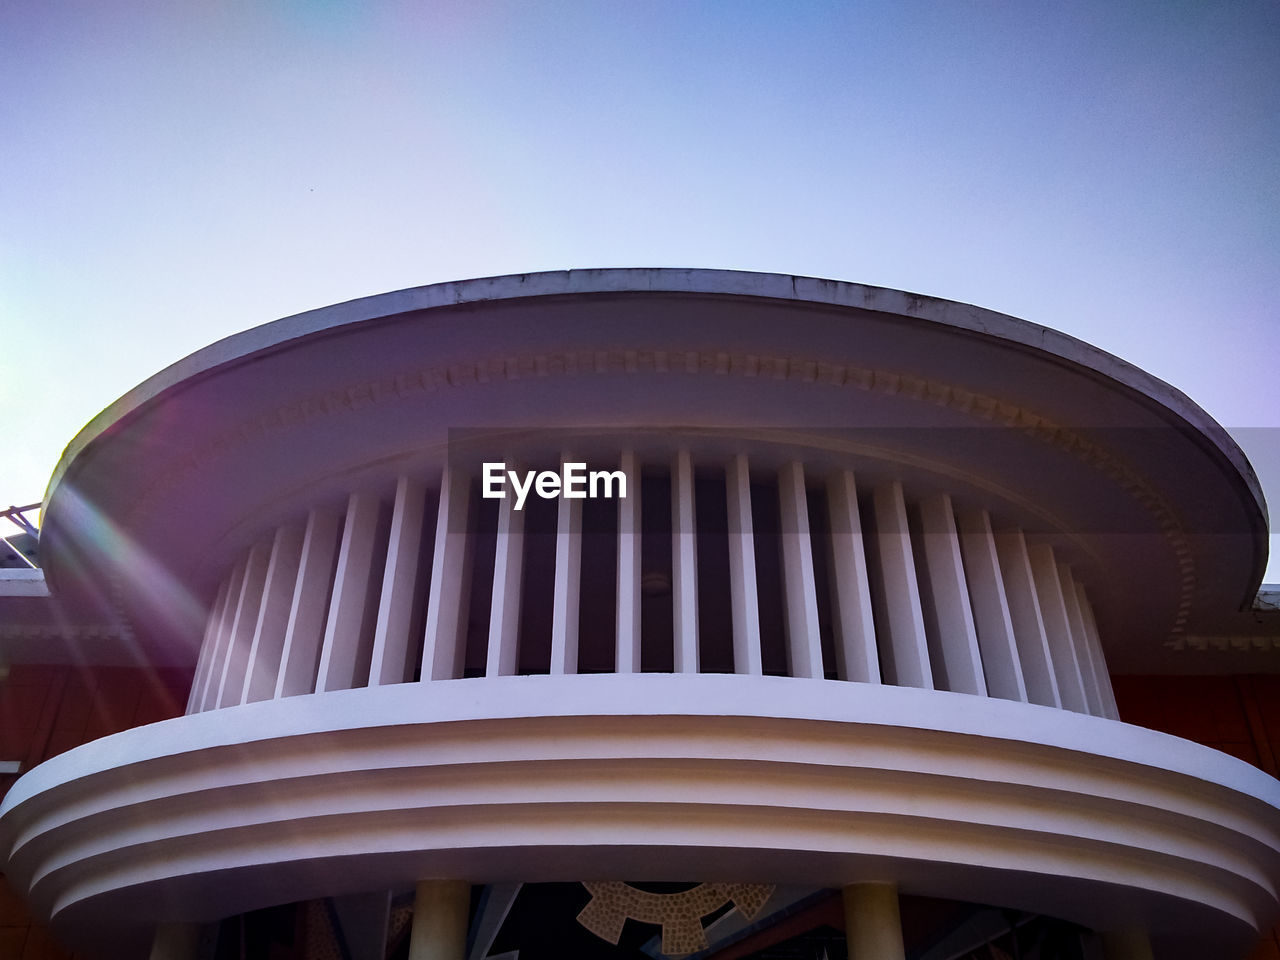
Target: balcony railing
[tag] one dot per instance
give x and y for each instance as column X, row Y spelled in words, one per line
column 706, row 566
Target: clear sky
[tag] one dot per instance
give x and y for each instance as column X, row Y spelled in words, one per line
column 174, row 171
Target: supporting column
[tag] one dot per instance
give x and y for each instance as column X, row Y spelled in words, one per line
column 804, row 642
column 391, row 646
column 1053, row 607
column 216, row 610
column 273, row 616
column 567, row 583
column 948, row 613
column 176, row 941
column 872, row 925
column 450, row 581
column 347, row 649
column 1104, row 675
column 1080, row 642
column 742, row 569
column 628, row 653
column 857, row 657
column 1028, row 623
column 231, row 686
column 1129, row 944
column 906, row 655
column 301, row 654
column 220, row 640
column 502, row 656
column 991, row 616
column 440, row 909
column 684, row 565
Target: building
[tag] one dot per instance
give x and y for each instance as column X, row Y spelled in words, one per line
column 848, row 661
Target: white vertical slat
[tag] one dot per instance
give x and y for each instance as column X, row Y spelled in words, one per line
column 502, row 657
column 348, row 641
column 218, row 660
column 391, row 648
column 566, row 592
column 301, row 654
column 804, row 641
column 991, row 617
column 1110, row 708
column 855, row 629
column 450, row 575
column 742, row 569
column 255, row 577
column 273, row 615
column 946, row 603
column 684, row 565
column 1080, row 641
column 1044, row 567
column 1027, row 620
column 212, row 622
column 628, row 641
column 906, row 655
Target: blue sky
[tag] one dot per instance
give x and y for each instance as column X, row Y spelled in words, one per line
column 172, row 172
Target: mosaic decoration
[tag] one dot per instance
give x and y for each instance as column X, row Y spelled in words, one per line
column 399, row 925
column 679, row 914
column 320, row 937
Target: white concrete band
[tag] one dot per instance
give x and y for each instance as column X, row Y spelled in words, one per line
column 531, row 778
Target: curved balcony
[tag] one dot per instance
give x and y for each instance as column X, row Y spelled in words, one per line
column 538, row 778
column 864, row 633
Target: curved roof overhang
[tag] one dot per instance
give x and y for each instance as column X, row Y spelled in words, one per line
column 151, row 499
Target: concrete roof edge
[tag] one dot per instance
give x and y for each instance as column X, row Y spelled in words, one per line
column 716, row 282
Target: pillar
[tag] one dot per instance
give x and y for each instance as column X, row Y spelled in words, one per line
column 393, row 650
column 800, row 592
column 446, row 633
column 684, row 565
column 1131, row 944
column 628, row 649
column 906, row 656
column 300, row 657
column 857, row 656
column 567, row 589
column 176, row 941
column 502, row 659
column 440, row 909
column 742, row 568
column 347, row 648
column 872, row 925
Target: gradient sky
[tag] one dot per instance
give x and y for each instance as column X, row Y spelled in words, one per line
column 172, row 172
